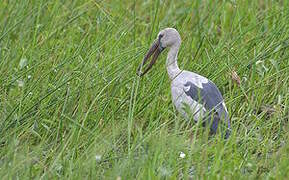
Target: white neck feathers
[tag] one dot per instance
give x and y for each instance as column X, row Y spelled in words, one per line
column 172, row 64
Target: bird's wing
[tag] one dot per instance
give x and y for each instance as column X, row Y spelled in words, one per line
column 209, row 95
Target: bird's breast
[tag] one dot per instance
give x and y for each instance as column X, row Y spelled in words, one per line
column 185, row 105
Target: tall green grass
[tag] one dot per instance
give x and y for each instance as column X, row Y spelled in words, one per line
column 71, row 105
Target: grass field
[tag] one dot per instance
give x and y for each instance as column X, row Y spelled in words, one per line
column 71, row 105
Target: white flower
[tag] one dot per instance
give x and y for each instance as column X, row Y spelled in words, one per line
column 29, row 76
column 182, row 155
column 97, row 157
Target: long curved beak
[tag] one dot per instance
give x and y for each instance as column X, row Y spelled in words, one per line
column 155, row 50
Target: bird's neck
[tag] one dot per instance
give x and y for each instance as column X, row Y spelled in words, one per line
column 172, row 64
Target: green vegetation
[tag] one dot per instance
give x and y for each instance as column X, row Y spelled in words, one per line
column 71, row 105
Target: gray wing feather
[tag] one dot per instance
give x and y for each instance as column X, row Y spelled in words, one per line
column 209, row 95
column 211, row 98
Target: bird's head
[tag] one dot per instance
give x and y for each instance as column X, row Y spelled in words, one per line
column 167, row 38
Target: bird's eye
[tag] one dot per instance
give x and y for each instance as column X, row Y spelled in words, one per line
column 161, row 35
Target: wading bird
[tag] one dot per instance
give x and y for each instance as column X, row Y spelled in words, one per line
column 190, row 91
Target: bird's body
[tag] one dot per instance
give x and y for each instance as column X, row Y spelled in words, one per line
column 194, row 96
column 197, row 98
